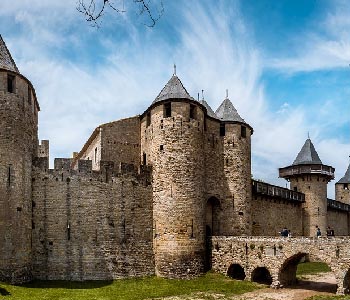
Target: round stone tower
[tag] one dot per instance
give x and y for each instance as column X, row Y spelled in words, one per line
column 236, row 135
column 172, row 143
column 18, row 145
column 308, row 175
column 342, row 188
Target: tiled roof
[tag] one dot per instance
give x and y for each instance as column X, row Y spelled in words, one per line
column 346, row 177
column 209, row 110
column 174, row 89
column 307, row 155
column 6, row 60
column 227, row 112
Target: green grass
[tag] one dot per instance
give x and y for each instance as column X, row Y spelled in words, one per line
column 126, row 289
column 309, row 268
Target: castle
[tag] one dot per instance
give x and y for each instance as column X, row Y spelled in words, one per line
column 144, row 193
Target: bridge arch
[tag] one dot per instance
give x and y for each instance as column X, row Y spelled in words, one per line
column 346, row 282
column 261, row 275
column 236, row 271
column 288, row 270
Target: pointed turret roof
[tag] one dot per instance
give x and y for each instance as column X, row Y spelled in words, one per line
column 227, row 112
column 174, row 89
column 209, row 110
column 346, row 177
column 6, row 60
column 308, row 155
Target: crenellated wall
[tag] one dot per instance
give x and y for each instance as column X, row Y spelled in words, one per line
column 89, row 226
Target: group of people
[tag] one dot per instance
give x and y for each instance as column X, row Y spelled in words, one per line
column 330, row 232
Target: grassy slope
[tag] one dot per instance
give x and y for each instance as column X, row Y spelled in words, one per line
column 128, row 289
column 310, row 268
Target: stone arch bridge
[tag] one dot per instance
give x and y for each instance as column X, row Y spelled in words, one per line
column 274, row 260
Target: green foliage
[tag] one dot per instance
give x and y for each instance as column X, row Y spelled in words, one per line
column 126, row 289
column 309, row 268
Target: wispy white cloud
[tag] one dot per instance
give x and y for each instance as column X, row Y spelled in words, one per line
column 213, row 48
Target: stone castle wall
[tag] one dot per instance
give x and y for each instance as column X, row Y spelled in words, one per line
column 342, row 193
column 89, row 226
column 339, row 221
column 18, row 146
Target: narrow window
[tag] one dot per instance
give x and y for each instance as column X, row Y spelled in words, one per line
column 68, row 231
column 161, row 147
column 346, row 187
column 167, row 110
column 243, row 131
column 95, row 154
column 29, row 95
column 144, row 159
column 192, row 111
column 9, row 175
column 222, row 129
column 11, row 83
column 148, row 119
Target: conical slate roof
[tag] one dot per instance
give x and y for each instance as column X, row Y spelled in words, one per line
column 346, row 177
column 6, row 60
column 227, row 112
column 174, row 89
column 307, row 155
column 209, row 110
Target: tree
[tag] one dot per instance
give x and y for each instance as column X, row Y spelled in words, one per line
column 93, row 10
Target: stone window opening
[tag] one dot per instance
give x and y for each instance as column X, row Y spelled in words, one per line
column 95, row 154
column 192, row 111
column 9, row 169
column 346, row 186
column 144, row 158
column 161, row 147
column 222, row 129
column 167, row 110
column 11, row 80
column 68, row 231
column 243, row 131
column 227, row 162
column 148, row 119
column 29, row 95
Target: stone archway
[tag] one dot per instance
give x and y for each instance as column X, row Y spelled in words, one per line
column 287, row 273
column 236, row 271
column 261, row 275
column 346, row 283
column 212, row 216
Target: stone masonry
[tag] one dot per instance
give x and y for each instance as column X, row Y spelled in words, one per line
column 168, row 192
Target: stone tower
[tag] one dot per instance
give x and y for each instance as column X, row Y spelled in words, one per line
column 18, row 146
column 172, row 142
column 342, row 188
column 236, row 134
column 308, row 175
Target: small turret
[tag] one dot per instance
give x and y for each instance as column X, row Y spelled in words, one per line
column 310, row 176
column 236, row 135
column 342, row 188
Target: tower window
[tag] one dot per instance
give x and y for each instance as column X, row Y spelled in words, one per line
column 167, row 110
column 346, row 186
column 192, row 111
column 243, row 131
column 144, row 158
column 148, row 119
column 29, row 95
column 222, row 129
column 95, row 155
column 161, row 147
column 11, row 83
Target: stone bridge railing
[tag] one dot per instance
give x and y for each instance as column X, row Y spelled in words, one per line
column 275, row 259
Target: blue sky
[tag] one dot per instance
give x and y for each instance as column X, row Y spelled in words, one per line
column 285, row 64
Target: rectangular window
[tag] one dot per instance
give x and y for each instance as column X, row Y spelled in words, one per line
column 11, row 83
column 144, row 159
column 29, row 95
column 192, row 111
column 346, row 187
column 222, row 129
column 167, row 110
column 95, row 155
column 148, row 119
column 243, row 131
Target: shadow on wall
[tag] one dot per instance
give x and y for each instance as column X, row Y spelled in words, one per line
column 93, row 284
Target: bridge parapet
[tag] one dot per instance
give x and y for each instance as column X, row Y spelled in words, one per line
column 280, row 256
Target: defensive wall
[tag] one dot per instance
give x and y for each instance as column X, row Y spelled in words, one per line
column 274, row 260
column 90, row 225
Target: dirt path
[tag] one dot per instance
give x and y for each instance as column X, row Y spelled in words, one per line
column 321, row 284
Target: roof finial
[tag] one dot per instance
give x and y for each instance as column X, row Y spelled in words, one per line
column 175, row 69
column 198, row 97
column 202, row 94
column 226, row 93
column 308, row 135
